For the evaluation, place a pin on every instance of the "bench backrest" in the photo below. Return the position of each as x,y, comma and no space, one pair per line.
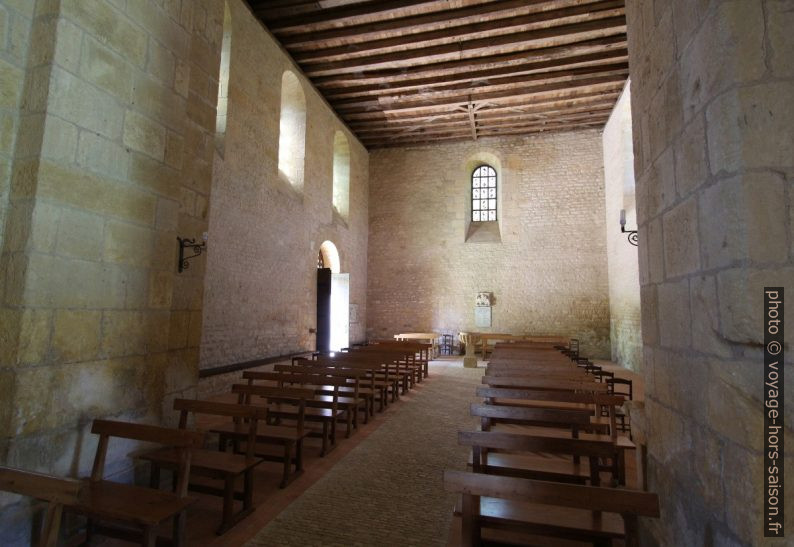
180,439
244,393
54,490
630,504
530,382
567,417
238,412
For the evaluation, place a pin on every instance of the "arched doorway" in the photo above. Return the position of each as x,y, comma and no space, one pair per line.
333,300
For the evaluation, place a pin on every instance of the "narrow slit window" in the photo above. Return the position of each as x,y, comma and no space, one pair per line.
483,194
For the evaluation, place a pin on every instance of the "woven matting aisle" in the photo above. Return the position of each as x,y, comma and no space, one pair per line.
389,489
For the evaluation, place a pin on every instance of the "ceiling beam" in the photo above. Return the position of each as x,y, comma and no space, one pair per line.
472,48
584,12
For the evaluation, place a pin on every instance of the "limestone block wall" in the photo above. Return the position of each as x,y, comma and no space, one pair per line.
265,235
712,84
548,273
112,159
624,277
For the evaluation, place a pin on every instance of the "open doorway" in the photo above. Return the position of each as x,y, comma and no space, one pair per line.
333,301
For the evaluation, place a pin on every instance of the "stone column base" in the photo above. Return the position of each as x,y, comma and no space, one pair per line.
470,362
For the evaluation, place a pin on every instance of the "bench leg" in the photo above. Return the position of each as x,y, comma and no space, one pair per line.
228,503
324,450
299,456
248,489
179,529
287,464
154,476
149,538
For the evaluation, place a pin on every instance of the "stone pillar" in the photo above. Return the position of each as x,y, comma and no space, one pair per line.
712,89
112,160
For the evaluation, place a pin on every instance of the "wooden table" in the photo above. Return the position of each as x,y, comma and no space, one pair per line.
431,337
486,336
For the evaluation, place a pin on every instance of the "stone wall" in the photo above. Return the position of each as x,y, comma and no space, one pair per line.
547,273
712,84
624,277
112,160
264,234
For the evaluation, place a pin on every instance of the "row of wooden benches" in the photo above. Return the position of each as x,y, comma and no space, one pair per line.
273,408
547,442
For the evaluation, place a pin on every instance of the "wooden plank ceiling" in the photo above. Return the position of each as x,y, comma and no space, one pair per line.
410,71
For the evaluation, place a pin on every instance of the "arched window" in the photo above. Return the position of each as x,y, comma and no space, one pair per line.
223,81
483,194
292,129
341,174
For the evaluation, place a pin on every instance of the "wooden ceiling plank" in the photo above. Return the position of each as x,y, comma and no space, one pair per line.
576,96
469,49
601,107
416,140
342,15
432,129
599,10
443,69
466,87
590,59
301,39
608,81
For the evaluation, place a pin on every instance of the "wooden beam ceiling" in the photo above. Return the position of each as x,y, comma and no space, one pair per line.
407,71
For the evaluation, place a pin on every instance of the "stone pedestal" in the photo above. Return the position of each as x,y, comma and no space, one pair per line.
469,340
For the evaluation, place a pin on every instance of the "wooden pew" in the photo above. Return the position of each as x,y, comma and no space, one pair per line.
527,456
401,360
353,397
322,409
382,381
144,509
215,464
290,438
54,490
541,383
494,507
384,368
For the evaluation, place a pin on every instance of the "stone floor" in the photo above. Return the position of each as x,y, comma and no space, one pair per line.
388,490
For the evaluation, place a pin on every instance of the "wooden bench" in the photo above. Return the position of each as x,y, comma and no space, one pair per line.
352,396
495,507
215,464
369,387
322,409
56,491
528,456
388,375
290,438
105,502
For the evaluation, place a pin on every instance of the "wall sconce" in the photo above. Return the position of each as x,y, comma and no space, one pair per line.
198,248
632,233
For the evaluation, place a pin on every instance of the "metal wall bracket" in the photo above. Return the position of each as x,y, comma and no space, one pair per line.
198,248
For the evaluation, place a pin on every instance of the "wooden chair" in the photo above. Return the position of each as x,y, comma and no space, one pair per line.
289,437
56,491
494,508
144,509
214,464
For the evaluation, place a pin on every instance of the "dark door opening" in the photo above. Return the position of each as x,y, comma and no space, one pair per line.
324,309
